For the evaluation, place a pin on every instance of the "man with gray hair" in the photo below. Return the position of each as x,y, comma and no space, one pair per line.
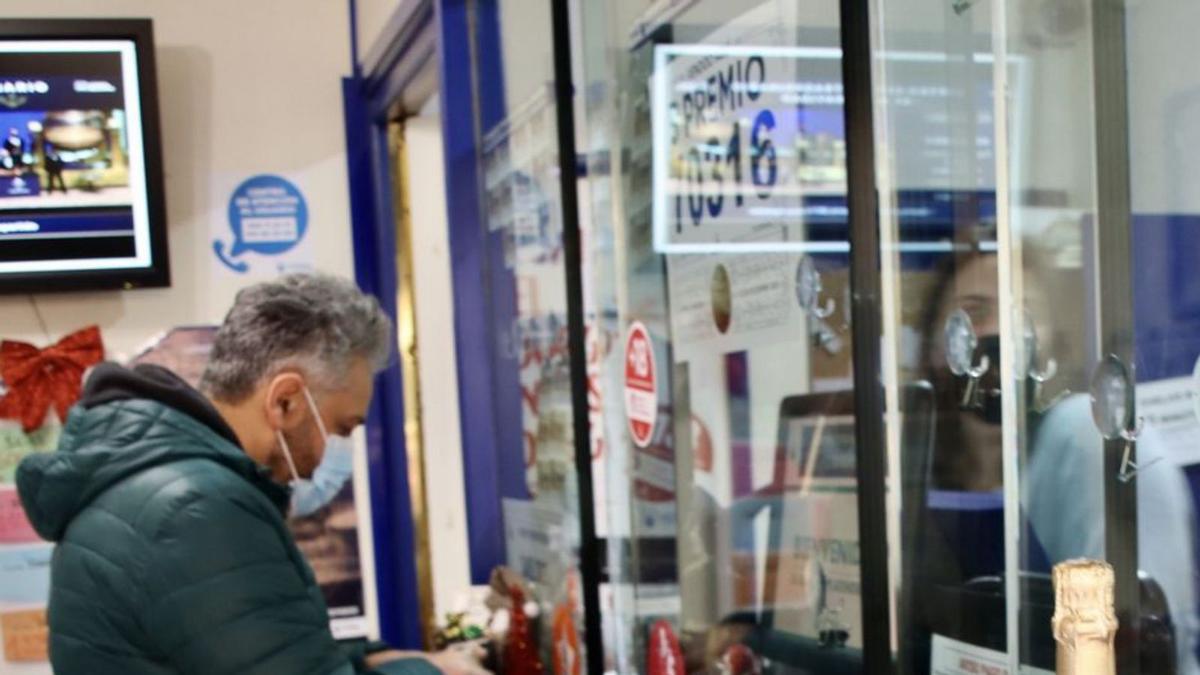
168,504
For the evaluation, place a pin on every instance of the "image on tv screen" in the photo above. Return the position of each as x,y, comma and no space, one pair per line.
72,167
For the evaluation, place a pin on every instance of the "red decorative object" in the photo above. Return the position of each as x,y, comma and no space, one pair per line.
520,652
40,378
663,656
567,659
740,660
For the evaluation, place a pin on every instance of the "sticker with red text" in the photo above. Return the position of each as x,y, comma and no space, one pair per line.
641,386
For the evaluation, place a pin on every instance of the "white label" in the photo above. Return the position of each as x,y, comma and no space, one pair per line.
349,628
262,230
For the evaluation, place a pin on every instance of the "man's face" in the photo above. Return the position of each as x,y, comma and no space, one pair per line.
342,409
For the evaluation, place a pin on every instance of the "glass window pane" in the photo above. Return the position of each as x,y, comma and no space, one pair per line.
719,258
942,317
523,268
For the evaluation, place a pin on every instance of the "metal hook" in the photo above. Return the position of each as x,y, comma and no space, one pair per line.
825,337
808,291
1131,435
826,311
980,368
1129,469
1039,378
972,395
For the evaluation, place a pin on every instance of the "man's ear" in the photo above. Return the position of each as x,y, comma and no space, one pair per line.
284,400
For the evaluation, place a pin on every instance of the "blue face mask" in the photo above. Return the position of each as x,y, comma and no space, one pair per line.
336,467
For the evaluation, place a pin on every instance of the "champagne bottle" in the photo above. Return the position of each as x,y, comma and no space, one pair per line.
1084,623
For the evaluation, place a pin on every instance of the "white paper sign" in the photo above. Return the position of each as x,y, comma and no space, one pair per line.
1168,407
951,657
534,537
741,135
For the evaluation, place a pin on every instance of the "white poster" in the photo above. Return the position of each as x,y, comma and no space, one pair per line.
535,539
745,128
1168,407
24,558
726,303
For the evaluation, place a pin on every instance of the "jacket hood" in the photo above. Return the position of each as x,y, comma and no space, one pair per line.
128,421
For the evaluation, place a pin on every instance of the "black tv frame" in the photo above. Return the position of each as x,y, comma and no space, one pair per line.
158,274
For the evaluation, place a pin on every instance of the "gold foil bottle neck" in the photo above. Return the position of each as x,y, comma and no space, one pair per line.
1085,623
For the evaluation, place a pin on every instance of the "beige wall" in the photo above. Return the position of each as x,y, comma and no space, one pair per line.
245,88
373,17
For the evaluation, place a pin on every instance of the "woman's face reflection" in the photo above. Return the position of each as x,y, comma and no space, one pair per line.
976,294
972,454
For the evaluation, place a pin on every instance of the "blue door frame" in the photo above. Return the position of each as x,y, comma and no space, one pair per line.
387,462
472,101
484,294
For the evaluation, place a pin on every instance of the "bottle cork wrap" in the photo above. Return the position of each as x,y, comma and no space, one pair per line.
1084,623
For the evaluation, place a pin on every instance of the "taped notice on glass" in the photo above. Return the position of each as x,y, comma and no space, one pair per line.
951,657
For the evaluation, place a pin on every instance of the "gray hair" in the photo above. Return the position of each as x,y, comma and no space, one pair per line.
315,323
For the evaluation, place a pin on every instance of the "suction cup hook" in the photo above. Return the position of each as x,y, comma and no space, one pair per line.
1028,360
808,295
961,343
1130,469
1112,412
1039,379
808,290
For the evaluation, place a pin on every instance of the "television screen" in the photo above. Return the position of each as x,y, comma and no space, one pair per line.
81,202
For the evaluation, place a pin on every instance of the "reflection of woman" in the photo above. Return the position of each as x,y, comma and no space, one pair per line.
1062,482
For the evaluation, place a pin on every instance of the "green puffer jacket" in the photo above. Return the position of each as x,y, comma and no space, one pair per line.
173,555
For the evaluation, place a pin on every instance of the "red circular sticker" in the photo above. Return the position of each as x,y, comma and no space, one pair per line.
641,389
740,660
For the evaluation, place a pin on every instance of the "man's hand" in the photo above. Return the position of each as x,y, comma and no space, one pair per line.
460,659
387,656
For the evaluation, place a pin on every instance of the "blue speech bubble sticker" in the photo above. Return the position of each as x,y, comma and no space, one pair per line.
268,215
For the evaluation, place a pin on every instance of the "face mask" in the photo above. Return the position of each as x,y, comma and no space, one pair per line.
305,487
991,412
336,467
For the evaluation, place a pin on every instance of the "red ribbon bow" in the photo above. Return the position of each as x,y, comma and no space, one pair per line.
40,378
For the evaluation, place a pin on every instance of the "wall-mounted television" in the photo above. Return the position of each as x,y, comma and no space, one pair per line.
81,187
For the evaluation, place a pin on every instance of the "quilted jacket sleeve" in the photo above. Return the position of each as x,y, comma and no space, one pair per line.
228,595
